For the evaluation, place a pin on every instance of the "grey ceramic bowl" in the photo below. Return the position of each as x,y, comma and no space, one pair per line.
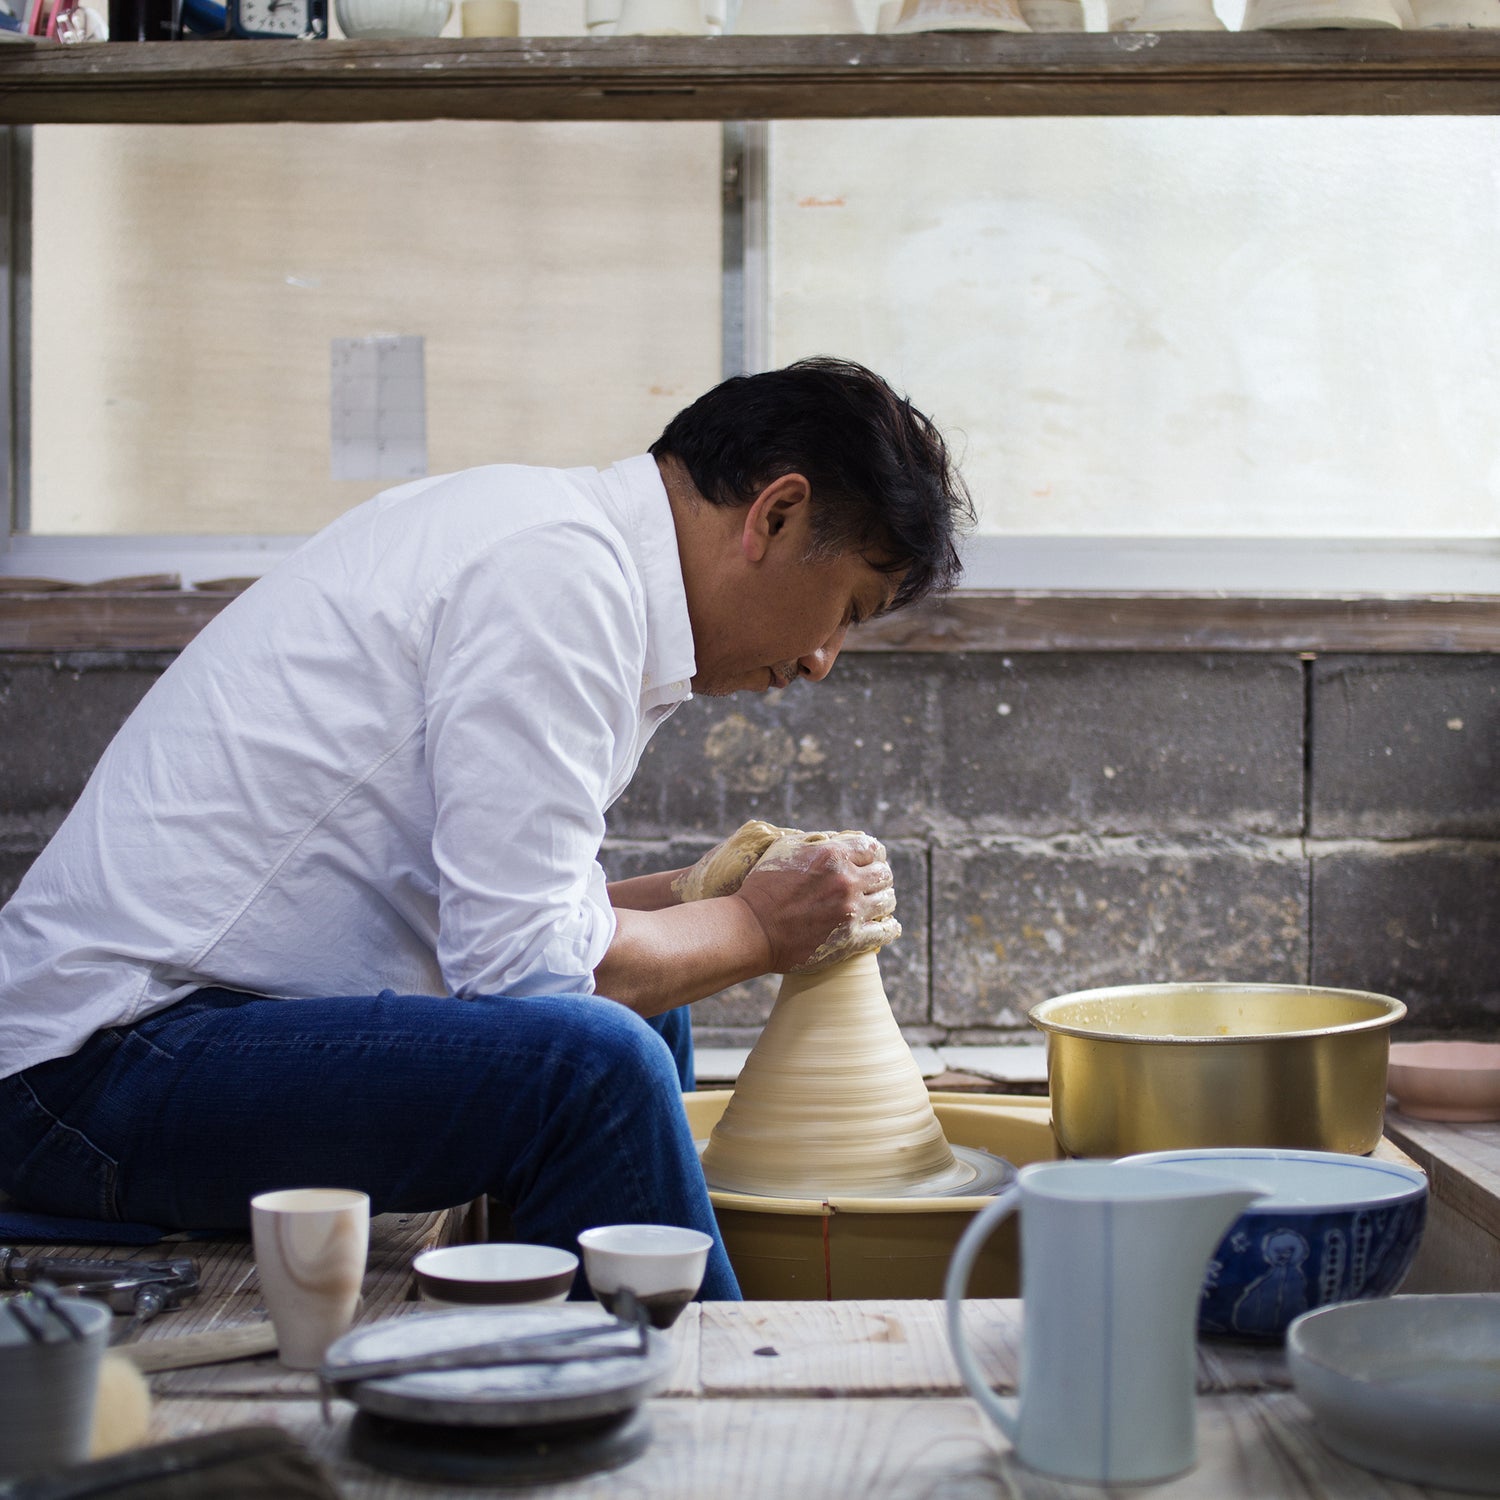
1409,1386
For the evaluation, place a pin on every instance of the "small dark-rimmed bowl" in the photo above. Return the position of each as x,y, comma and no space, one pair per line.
498,1275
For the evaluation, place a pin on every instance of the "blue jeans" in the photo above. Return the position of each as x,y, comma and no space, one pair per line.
565,1108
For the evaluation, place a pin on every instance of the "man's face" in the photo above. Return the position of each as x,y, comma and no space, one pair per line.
773,615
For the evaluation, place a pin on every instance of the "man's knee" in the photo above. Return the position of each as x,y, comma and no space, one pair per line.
613,1040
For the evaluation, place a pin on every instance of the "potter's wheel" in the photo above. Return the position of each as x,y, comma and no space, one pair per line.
576,1410
982,1175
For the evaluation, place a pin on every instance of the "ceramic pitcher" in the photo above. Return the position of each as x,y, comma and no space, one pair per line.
1112,1262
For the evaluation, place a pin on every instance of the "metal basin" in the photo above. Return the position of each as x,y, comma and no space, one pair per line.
1159,1067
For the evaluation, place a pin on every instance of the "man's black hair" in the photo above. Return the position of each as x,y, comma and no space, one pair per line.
882,481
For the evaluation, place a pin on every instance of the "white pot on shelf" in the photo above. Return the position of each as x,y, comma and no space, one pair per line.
661,18
1455,15
392,18
1314,15
1054,15
1168,15
803,18
960,15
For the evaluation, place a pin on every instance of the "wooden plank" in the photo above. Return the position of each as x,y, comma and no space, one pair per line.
975,620
901,1348
896,1448
1462,1163
737,78
77,621
98,620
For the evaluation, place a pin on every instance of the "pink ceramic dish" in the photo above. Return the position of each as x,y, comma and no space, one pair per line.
1446,1080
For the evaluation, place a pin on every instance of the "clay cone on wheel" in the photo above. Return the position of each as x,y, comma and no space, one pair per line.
830,1101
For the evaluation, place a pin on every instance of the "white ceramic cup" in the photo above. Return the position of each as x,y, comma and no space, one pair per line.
48,1388
310,1249
660,1264
490,18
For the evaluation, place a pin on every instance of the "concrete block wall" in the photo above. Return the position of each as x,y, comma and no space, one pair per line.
1056,821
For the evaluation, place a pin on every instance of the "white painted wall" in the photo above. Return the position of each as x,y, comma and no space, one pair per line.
1190,327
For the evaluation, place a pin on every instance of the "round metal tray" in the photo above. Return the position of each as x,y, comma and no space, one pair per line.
524,1395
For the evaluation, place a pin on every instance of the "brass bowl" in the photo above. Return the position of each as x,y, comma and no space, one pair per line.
1158,1067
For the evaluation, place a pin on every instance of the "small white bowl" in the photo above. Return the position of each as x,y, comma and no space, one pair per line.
495,1275
1408,1386
392,18
660,1264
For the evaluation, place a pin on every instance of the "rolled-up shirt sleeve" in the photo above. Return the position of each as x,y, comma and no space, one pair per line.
531,658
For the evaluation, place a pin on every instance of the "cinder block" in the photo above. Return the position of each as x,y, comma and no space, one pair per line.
13,865
55,721
741,1010
1015,921
1405,747
1420,923
1119,743
852,751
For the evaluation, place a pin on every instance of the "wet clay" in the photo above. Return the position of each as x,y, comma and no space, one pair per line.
831,1101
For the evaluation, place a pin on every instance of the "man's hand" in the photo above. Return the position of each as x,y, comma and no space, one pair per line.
722,870
821,898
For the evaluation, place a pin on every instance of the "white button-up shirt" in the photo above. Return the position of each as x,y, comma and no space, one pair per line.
385,766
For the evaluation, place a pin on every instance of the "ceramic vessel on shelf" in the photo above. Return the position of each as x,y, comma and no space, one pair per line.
1311,15
809,18
490,18
1168,15
1408,1387
1332,1228
494,1275
960,15
1446,1080
1454,15
1054,15
392,18
1112,1256
661,18
600,17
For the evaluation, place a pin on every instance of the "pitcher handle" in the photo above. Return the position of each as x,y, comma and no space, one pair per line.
1004,1413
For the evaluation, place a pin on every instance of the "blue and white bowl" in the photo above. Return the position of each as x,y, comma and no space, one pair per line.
1332,1228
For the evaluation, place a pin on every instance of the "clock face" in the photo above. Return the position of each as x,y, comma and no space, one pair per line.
288,18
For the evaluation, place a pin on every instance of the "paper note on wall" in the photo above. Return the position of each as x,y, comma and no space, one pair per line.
379,408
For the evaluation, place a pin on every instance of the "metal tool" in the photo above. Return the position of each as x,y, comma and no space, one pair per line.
139,1288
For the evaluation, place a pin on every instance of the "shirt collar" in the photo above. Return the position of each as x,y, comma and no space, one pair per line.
646,522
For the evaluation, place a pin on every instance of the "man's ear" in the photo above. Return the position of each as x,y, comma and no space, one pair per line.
783,502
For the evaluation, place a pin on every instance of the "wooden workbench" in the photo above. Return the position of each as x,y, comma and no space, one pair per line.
1461,1247
770,1399
858,1399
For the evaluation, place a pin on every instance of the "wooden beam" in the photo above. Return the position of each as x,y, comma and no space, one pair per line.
95,619
975,621
734,78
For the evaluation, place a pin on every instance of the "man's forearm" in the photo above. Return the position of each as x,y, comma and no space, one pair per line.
644,892
668,957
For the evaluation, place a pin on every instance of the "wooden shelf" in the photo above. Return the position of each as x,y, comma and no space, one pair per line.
151,614
738,78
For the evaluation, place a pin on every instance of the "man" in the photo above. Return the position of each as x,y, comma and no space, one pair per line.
329,910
